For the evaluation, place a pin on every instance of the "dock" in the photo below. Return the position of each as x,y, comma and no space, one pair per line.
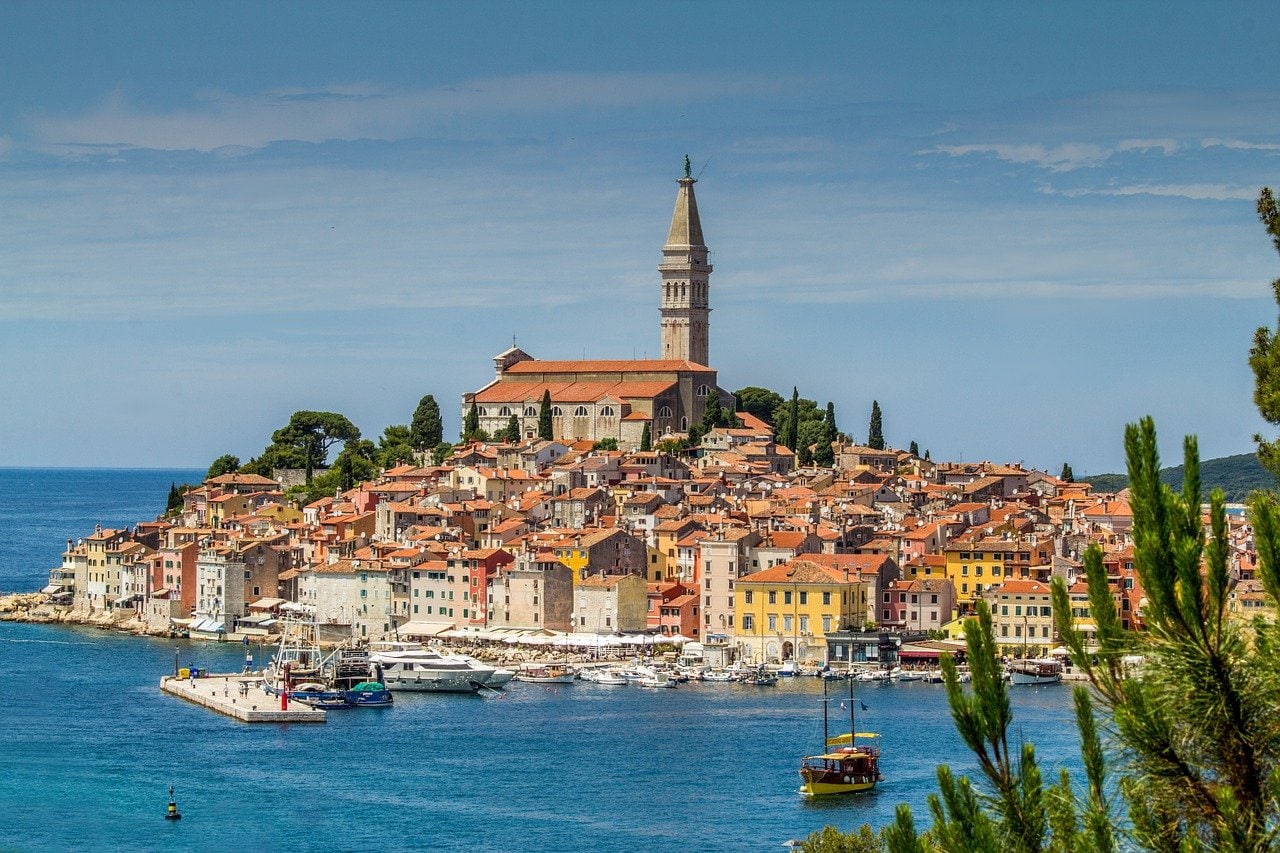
221,693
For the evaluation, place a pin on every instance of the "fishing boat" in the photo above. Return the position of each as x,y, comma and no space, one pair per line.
851,762
344,679
719,675
1035,671
657,679
547,674
761,677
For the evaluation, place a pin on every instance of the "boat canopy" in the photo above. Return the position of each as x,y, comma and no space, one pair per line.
848,738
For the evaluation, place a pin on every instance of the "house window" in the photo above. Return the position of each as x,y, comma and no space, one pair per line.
704,390
747,622
504,412
747,596
804,598
826,598
773,622
580,412
557,412
773,597
530,412
826,624
607,412
787,624
664,412
786,597
482,411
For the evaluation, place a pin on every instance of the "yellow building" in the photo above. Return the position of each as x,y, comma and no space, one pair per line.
785,612
974,566
1022,618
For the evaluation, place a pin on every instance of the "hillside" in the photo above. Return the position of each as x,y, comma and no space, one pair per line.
1237,476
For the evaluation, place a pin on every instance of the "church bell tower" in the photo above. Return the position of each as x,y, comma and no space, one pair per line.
686,304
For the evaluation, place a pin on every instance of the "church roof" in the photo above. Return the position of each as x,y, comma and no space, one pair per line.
686,227
506,391
607,366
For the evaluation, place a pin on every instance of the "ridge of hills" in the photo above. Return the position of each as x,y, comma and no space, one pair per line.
1237,476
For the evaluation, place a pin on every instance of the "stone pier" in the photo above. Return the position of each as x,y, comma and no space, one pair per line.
221,693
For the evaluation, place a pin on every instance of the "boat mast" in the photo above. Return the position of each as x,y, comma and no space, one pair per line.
825,702
852,728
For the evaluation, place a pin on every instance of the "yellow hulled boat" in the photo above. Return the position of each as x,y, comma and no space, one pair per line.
850,764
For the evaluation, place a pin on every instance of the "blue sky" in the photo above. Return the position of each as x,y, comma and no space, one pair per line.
1017,229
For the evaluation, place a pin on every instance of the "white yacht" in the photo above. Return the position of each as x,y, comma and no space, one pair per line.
414,667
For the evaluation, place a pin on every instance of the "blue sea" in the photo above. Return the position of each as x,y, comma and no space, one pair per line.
89,746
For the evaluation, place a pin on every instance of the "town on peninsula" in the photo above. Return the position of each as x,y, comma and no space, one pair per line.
593,507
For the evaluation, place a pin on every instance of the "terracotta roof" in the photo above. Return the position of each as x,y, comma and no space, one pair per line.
507,391
796,571
618,366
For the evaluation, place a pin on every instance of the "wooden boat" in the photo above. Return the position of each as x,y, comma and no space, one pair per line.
549,674
847,766
1037,671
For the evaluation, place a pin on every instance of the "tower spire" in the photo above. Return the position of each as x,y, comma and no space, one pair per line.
686,275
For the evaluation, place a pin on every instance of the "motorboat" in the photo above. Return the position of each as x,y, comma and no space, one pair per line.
910,675
789,669
413,667
547,674
761,677
657,679
1035,671
602,676
347,678
868,675
850,762
719,675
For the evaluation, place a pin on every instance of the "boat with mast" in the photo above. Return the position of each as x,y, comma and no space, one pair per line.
850,763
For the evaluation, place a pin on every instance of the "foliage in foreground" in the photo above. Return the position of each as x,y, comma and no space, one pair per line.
1193,736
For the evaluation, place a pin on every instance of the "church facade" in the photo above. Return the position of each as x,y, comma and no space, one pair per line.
595,400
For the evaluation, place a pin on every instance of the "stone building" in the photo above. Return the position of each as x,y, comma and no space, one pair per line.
595,400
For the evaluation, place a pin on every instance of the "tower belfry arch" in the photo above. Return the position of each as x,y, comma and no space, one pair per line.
686,280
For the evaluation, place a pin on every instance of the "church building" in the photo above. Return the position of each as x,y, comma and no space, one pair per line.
615,399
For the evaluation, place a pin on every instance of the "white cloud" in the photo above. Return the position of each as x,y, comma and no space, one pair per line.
1239,145
1168,147
1196,192
1059,158
223,120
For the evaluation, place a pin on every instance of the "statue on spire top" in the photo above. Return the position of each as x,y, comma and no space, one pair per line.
688,167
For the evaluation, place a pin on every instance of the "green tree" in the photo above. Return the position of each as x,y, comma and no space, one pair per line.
823,452
395,446
511,434
714,414
426,430
1264,355
646,438
441,452
831,840
1196,737
760,402
174,502
606,444
224,464
1067,474
304,442
544,417
875,431
914,449
471,423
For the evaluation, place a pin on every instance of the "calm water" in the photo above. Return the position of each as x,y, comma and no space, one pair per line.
90,745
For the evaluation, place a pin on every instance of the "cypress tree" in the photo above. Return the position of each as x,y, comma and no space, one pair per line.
426,430
792,436
914,450
875,433
471,425
1264,355
646,439
544,416
1067,474
512,434
175,499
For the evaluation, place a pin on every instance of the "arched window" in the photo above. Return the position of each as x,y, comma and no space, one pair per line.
704,390
504,412
664,412
530,412
556,412
580,412
482,411
684,424
607,412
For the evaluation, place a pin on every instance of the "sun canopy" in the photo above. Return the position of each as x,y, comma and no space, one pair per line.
848,738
